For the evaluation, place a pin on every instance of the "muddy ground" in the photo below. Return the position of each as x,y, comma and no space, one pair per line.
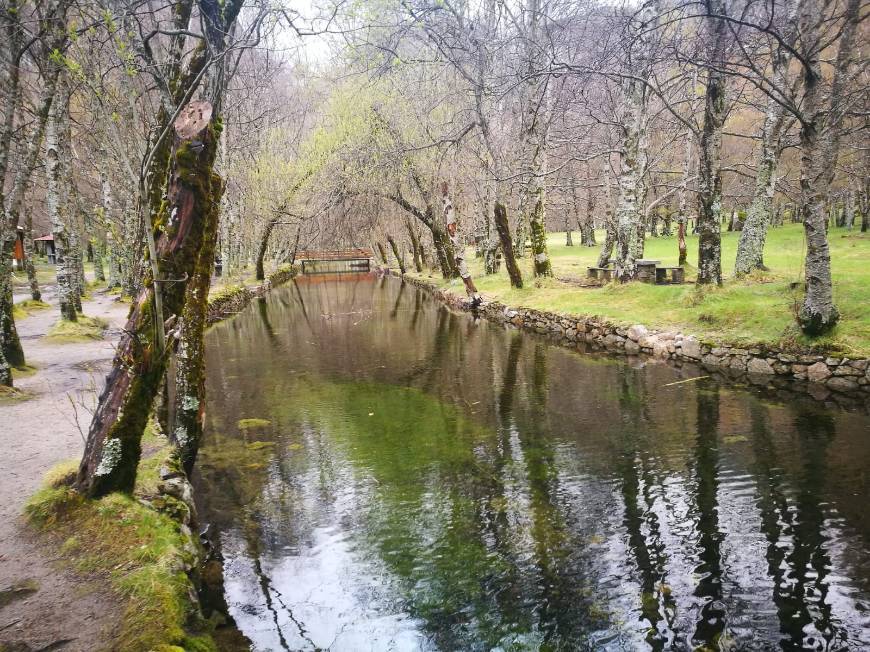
44,603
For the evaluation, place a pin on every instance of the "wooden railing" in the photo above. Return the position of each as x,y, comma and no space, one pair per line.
335,254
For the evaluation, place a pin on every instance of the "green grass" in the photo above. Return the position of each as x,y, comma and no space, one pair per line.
83,330
756,310
141,552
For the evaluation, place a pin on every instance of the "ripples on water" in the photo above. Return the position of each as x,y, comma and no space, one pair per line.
427,482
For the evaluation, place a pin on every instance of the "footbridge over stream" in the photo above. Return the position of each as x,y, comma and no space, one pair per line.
335,260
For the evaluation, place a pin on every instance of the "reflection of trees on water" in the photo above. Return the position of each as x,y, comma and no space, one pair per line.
640,519
492,534
712,621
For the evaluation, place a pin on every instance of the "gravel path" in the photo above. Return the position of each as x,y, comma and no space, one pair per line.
42,604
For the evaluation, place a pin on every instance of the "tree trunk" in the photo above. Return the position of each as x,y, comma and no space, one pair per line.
113,445
609,221
449,215
29,265
264,244
5,370
395,249
504,235
710,153
383,254
54,201
819,150
189,408
415,247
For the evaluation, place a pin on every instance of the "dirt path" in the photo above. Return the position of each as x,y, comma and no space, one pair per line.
43,606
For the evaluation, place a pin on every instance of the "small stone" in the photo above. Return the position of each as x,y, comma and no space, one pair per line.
818,372
799,368
759,366
632,347
636,332
832,362
846,370
861,365
784,357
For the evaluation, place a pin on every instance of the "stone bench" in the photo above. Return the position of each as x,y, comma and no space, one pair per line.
600,273
670,275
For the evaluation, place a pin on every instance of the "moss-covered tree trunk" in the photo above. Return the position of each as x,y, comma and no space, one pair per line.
113,445
415,247
609,221
710,153
507,247
264,245
190,356
819,139
29,266
383,254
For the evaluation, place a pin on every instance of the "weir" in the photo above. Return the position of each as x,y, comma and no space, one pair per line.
336,260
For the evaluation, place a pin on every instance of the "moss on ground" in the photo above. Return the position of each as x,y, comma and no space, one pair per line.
141,551
27,307
758,309
83,330
12,395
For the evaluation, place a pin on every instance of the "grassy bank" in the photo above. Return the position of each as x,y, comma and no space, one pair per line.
756,310
137,548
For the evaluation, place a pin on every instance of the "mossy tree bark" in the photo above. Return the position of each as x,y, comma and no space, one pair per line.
710,151
186,432
507,247
415,247
609,221
682,215
819,139
113,445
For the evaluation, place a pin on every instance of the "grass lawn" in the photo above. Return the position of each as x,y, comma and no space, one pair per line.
756,310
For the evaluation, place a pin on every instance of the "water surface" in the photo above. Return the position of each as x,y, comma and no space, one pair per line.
425,481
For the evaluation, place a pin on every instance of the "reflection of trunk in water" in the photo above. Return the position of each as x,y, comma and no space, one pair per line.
395,310
418,296
805,596
711,622
252,536
657,606
773,506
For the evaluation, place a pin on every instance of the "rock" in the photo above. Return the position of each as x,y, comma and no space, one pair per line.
799,368
759,366
647,341
636,332
832,362
738,362
818,372
632,347
860,365
711,360
660,349
846,370
783,357
691,348
842,384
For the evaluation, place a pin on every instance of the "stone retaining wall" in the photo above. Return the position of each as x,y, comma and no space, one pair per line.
820,375
233,299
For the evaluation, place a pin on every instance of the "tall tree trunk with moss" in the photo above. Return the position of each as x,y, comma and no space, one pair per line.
113,447
710,150
819,137
633,120
415,247
29,265
189,392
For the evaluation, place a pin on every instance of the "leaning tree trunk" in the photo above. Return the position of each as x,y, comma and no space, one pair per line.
507,247
264,244
396,253
113,445
415,247
710,155
383,253
449,215
750,248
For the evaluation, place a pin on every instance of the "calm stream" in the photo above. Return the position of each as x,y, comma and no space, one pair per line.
417,480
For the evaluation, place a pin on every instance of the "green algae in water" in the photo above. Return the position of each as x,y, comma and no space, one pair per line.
250,424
